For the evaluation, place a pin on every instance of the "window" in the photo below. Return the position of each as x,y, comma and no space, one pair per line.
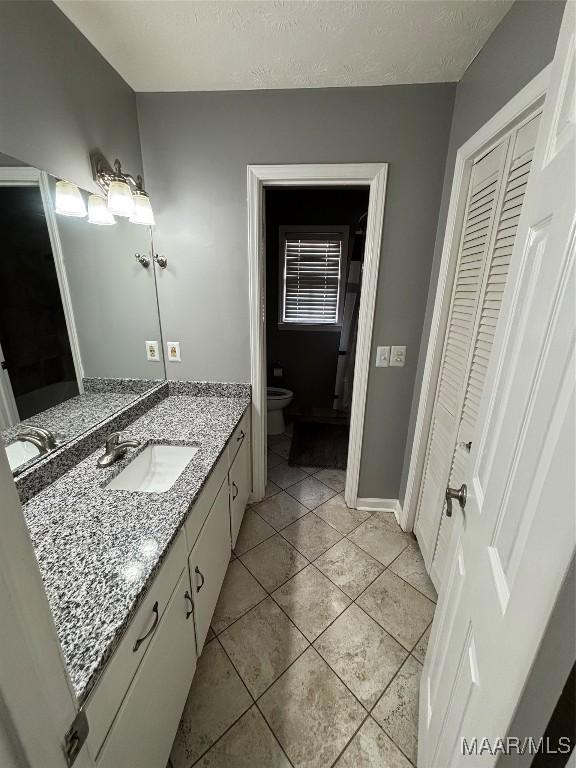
312,267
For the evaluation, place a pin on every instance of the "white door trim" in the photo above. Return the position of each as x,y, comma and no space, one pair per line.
524,101
374,176
32,177
62,276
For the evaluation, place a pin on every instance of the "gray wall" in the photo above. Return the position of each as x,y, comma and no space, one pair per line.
196,148
520,47
59,98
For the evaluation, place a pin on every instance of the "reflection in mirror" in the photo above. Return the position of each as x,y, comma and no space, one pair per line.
79,328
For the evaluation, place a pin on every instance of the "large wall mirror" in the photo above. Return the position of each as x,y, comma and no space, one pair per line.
79,327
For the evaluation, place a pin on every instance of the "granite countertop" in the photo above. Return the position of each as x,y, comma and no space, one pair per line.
100,399
72,416
98,550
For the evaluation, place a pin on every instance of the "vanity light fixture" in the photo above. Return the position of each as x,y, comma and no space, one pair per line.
125,194
69,200
98,212
143,213
120,201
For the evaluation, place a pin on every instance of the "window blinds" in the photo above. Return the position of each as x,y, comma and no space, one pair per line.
312,276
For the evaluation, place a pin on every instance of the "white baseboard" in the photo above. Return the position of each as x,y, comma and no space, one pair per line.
380,505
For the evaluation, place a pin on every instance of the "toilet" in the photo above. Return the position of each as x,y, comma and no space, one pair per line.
278,399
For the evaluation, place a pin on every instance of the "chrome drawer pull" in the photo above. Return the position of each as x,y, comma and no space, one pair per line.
140,640
241,436
191,611
235,490
199,572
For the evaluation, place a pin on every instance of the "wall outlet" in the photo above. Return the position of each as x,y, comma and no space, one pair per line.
152,351
398,356
174,351
382,357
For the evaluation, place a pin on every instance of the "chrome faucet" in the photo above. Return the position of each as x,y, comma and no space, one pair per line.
42,438
115,449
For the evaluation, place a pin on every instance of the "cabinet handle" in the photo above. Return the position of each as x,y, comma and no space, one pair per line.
199,572
234,490
140,640
241,436
191,611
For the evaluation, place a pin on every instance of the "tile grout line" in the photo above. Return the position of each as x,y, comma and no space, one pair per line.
343,535
353,602
254,703
380,699
388,568
350,740
310,644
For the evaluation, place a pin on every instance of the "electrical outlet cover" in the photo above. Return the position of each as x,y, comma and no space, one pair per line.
173,351
397,356
382,357
152,351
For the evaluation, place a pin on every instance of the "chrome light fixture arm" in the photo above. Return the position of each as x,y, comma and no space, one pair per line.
104,174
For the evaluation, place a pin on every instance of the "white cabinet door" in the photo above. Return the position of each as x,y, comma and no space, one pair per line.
208,563
515,539
240,477
144,729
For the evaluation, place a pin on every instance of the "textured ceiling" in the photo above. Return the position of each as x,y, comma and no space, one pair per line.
191,45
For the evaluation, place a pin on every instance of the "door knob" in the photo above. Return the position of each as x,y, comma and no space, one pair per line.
455,493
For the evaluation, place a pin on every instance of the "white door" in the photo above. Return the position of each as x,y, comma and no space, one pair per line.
495,197
519,154
514,540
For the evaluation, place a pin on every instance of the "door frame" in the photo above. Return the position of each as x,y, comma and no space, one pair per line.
31,177
374,176
521,104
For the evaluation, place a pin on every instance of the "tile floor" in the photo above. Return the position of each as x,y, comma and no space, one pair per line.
318,638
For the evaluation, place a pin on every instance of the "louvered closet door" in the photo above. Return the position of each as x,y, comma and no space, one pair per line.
517,170
478,224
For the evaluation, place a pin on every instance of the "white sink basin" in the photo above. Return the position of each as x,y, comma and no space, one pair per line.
19,452
155,469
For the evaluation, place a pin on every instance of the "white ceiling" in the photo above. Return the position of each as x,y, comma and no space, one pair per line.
213,45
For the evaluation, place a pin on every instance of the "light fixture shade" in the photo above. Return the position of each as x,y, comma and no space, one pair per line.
120,200
98,212
143,213
69,200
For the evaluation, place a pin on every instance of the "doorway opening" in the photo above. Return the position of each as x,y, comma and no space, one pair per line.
315,241
37,364
367,176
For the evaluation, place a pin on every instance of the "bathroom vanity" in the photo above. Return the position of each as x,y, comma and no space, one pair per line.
132,547
133,575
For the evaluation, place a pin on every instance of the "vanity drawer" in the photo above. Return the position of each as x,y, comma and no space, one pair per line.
240,435
104,701
199,510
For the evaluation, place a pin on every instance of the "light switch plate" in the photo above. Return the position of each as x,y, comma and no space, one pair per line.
174,351
397,356
382,357
152,351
